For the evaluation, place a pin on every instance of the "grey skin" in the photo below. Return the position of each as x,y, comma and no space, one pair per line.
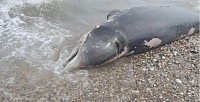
132,31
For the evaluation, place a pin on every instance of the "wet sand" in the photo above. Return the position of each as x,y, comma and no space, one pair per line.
169,73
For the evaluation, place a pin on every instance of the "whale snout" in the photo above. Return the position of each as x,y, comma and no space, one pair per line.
89,55
75,61
99,46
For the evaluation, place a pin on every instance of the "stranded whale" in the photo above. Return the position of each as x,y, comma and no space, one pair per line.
132,31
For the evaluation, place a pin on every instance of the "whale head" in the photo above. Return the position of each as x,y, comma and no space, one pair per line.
99,46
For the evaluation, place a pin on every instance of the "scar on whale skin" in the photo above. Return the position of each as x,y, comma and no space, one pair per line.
153,42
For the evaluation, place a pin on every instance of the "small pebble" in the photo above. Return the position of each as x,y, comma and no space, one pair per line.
192,65
175,53
163,57
194,51
135,91
151,68
179,81
177,62
155,60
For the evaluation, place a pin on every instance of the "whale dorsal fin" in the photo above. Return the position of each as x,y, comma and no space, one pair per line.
113,13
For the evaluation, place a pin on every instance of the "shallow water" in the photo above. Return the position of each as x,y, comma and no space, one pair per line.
36,36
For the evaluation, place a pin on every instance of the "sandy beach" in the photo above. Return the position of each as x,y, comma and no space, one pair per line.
169,73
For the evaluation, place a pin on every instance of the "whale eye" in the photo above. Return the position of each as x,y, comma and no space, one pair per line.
118,47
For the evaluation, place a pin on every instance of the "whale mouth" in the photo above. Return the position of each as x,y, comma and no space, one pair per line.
90,55
72,56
